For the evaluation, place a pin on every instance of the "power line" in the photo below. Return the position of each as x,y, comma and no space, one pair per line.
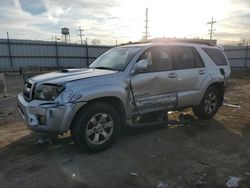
211,30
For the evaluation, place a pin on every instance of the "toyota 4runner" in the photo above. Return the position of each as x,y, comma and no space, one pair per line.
127,81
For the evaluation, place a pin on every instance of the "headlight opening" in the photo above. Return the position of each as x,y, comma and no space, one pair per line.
48,91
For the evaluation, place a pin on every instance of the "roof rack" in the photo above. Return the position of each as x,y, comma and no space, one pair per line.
166,40
197,41
130,42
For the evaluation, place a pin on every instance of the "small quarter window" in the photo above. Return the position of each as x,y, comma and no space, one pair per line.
216,55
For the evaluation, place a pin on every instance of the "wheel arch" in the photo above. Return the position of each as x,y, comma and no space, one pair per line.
114,101
220,87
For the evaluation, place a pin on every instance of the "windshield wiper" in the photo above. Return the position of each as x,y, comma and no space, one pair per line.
105,68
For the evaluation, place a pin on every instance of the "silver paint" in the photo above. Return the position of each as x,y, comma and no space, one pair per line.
138,92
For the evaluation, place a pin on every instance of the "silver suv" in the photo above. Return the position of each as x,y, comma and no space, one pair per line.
136,80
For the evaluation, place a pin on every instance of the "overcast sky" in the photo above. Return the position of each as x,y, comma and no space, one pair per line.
106,21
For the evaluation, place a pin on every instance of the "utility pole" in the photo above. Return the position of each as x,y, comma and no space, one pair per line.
211,30
87,51
10,55
81,33
146,27
57,56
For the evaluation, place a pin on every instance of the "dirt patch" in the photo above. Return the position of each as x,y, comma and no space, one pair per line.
202,155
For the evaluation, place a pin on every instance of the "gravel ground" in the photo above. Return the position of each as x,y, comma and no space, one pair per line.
205,154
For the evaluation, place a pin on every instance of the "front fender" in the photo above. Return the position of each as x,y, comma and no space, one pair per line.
81,97
100,91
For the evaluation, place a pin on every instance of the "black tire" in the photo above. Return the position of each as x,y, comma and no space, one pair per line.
209,104
99,117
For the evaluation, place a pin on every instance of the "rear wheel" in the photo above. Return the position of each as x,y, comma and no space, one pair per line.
96,127
209,104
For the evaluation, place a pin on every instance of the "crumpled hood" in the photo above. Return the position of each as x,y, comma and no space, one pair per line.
67,75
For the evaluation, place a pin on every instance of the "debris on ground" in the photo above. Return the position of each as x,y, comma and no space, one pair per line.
153,156
247,173
133,174
44,141
162,185
174,126
186,117
232,182
231,105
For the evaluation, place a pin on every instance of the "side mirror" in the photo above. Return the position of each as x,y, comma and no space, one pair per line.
140,66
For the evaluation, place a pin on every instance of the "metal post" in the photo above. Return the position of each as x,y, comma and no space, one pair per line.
87,52
246,58
2,78
10,56
57,59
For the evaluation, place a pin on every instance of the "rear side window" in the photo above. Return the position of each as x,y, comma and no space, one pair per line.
183,57
216,55
159,59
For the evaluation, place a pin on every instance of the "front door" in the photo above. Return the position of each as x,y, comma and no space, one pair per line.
156,88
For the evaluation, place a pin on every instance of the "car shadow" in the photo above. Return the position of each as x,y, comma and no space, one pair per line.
153,153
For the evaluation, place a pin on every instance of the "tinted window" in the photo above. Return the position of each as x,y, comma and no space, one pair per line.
198,61
159,59
183,57
216,55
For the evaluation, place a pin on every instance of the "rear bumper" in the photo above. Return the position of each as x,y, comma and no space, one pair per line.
47,117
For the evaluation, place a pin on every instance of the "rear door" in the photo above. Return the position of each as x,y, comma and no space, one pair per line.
155,89
191,74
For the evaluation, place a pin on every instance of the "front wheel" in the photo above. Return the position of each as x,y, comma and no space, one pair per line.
96,127
209,104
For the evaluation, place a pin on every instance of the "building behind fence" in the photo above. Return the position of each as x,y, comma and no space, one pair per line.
15,54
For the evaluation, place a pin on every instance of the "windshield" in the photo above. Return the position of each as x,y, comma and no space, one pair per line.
115,59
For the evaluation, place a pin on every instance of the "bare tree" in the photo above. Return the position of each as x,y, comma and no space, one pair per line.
96,42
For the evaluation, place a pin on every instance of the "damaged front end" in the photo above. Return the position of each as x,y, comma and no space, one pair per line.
48,107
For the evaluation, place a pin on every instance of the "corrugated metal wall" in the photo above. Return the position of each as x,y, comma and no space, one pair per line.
15,54
238,56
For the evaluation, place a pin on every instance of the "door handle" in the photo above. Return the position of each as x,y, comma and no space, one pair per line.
172,75
202,71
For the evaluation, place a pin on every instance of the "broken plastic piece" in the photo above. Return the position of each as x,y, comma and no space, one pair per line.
162,185
232,182
133,174
231,105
